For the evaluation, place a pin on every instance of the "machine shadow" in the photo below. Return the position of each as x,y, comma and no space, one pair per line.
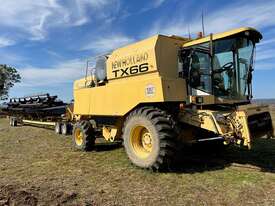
102,147
198,159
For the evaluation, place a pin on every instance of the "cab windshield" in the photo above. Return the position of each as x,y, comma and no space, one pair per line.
227,74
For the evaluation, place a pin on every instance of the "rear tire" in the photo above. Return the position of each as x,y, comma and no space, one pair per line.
83,136
149,138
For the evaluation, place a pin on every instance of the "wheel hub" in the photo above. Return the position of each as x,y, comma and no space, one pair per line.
147,141
141,141
78,137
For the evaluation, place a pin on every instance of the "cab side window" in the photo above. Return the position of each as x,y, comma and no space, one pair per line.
200,71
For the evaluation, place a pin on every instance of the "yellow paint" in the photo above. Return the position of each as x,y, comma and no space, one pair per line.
109,133
157,81
142,142
238,127
78,135
119,95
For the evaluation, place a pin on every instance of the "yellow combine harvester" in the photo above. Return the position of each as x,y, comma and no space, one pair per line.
166,90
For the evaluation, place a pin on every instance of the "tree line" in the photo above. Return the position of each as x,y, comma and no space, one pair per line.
9,76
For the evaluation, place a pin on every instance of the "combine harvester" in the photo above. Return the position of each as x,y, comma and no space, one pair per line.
167,90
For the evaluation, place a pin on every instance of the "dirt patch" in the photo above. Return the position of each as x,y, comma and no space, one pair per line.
9,195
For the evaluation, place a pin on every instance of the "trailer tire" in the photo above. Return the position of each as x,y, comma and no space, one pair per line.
83,136
65,127
57,128
13,122
149,138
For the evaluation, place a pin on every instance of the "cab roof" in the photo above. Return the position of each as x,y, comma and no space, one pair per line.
252,32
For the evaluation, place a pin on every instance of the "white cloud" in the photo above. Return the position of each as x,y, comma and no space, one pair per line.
107,43
35,18
267,42
58,74
4,41
11,58
265,54
152,5
264,66
158,3
258,14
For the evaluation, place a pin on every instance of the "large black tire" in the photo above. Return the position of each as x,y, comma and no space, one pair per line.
83,136
57,128
149,138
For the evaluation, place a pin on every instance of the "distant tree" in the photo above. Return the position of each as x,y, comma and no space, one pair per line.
8,77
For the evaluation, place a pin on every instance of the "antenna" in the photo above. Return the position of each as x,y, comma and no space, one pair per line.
202,23
189,34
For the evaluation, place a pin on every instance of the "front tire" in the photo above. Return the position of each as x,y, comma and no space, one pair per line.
149,138
83,136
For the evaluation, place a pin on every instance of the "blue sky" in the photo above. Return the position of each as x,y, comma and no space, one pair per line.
48,41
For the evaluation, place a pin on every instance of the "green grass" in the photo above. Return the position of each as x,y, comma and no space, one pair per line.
48,168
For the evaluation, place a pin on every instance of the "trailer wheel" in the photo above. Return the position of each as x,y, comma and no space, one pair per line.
57,128
83,137
13,122
65,128
149,138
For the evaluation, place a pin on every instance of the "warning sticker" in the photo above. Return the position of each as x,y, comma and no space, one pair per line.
150,90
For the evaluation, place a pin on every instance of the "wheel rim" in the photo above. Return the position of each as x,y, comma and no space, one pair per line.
78,136
141,141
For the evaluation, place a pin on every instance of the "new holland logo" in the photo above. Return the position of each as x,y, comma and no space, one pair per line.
131,70
130,65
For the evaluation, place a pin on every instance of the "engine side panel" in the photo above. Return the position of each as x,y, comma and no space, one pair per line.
144,72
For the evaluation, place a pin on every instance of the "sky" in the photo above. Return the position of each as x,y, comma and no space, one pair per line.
48,41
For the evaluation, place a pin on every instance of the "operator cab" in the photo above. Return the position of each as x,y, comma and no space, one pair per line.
221,66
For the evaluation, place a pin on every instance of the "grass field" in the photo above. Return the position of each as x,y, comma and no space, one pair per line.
38,167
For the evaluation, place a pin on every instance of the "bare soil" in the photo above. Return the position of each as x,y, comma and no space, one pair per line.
38,167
